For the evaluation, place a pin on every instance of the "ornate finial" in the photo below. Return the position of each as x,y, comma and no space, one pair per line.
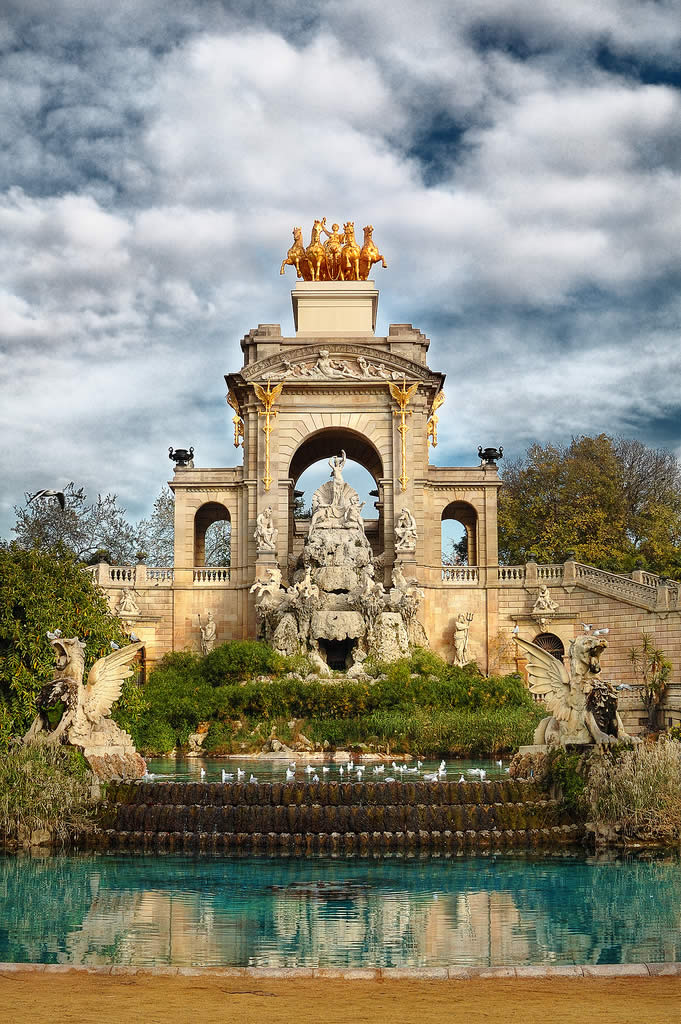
490,456
338,258
181,456
431,433
268,398
403,396
237,420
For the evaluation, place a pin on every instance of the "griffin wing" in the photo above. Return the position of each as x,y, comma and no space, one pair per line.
105,680
548,679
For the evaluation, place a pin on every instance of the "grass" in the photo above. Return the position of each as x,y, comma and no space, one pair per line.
44,788
638,791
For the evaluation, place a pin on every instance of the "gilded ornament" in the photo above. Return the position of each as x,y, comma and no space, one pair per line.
403,396
339,258
237,419
431,433
268,398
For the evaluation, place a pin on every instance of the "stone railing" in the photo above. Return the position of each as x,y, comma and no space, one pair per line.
552,573
460,574
211,574
122,573
159,575
619,586
512,573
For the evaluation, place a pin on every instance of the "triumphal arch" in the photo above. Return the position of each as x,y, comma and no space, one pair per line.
335,390
349,580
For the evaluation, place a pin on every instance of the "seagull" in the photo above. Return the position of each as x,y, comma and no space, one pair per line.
340,770
601,632
500,764
290,776
623,686
430,777
389,779
227,776
395,767
419,765
587,627
309,769
252,779
378,769
240,773
351,765
461,778
114,646
442,770
325,769
315,777
47,493
135,639
203,773
515,630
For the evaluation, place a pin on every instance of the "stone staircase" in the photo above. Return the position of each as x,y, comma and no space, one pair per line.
331,817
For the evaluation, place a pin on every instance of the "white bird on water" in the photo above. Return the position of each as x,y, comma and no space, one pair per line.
252,779
461,778
315,777
500,764
290,776
442,770
431,777
203,773
309,769
240,773
292,765
325,769
227,776
340,771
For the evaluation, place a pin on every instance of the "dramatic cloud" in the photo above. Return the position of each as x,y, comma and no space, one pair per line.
519,163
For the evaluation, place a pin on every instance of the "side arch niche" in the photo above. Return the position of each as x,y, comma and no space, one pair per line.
550,643
207,515
320,446
466,515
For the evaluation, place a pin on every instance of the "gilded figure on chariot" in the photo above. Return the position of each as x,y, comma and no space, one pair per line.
339,258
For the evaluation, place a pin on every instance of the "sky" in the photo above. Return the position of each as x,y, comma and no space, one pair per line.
519,163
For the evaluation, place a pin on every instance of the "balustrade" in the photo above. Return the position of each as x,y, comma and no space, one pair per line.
621,585
160,574
512,573
550,572
211,574
460,574
122,573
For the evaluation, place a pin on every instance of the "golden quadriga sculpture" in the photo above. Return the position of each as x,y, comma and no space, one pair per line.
84,721
338,258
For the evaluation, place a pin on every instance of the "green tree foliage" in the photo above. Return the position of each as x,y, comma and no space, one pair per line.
652,670
83,527
615,503
39,592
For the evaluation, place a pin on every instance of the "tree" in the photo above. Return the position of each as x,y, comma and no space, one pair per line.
615,503
156,534
82,527
652,670
40,591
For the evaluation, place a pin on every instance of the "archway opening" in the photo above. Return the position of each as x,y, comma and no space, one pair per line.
552,644
212,535
338,653
459,534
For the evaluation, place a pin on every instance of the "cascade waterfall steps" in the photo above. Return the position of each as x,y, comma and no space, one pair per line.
303,818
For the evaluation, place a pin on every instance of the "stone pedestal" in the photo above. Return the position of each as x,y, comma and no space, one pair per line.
334,308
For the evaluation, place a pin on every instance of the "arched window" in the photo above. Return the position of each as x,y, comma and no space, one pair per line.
458,534
212,535
551,643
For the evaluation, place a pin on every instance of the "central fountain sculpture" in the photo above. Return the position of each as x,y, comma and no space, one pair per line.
336,611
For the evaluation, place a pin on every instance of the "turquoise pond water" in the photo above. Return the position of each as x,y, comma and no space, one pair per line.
422,912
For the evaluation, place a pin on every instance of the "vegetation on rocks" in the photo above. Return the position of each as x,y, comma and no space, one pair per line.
420,705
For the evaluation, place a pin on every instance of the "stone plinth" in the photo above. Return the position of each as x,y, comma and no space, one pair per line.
334,308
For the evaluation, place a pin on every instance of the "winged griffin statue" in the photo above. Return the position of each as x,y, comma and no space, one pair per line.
84,708
583,707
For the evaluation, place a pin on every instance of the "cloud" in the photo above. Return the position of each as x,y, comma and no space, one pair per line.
523,190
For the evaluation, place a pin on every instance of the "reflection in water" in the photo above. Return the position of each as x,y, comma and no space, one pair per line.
102,909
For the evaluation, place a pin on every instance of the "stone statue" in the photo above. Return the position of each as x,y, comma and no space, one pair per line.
544,603
270,585
265,532
583,708
405,531
127,606
337,464
208,634
461,629
84,722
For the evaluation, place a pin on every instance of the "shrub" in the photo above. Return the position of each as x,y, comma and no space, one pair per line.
638,790
240,660
44,788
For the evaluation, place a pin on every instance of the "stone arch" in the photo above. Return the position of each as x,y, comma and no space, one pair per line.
550,643
207,514
464,513
321,444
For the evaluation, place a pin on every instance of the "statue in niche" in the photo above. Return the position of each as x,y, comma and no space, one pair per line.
208,634
461,629
127,606
405,531
265,532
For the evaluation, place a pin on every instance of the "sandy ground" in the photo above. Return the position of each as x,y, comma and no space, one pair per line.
77,998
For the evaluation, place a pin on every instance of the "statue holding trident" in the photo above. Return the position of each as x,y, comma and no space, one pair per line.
337,463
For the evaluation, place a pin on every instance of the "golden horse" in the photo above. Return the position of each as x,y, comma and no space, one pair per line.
369,254
350,254
314,253
296,254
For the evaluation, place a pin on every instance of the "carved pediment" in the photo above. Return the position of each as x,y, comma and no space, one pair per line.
339,362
